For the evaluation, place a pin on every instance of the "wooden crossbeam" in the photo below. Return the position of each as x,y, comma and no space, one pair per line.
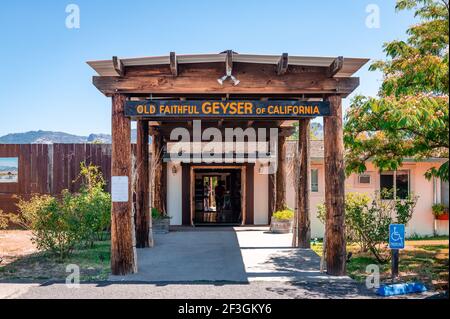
283,64
258,83
173,64
118,66
335,67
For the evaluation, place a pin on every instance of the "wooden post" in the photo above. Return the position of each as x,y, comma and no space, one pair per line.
158,182
143,221
334,189
280,199
272,192
123,254
304,224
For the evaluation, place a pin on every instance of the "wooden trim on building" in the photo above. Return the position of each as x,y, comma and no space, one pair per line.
250,194
271,194
187,194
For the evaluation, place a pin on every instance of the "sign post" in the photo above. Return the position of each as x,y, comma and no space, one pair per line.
396,242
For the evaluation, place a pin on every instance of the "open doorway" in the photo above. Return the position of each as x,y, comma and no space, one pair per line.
218,196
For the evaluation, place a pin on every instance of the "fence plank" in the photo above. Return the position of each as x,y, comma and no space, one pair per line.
50,169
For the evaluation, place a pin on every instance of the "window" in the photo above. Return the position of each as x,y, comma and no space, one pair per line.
399,180
9,169
364,179
315,180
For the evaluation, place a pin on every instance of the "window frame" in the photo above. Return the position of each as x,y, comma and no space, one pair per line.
394,175
314,190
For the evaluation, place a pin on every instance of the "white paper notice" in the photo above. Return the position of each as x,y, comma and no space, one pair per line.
119,188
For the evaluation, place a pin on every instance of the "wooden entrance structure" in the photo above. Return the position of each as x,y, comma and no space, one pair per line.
207,76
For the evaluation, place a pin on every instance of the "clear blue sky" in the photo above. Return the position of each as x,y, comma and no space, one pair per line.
46,84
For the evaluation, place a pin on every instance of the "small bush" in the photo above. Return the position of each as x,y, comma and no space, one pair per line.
55,227
367,220
156,214
439,210
92,204
4,220
60,224
286,214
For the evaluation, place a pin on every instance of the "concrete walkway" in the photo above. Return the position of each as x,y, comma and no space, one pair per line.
239,255
213,263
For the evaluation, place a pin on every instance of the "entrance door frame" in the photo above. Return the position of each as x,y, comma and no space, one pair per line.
242,168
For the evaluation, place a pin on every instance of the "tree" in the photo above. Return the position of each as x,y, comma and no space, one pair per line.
410,116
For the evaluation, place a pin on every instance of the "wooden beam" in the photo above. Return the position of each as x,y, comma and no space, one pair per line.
249,193
206,83
283,64
142,217
303,185
335,67
334,189
272,194
158,183
173,64
118,66
280,199
123,258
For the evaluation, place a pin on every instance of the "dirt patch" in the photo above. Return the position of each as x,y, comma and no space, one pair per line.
15,244
21,260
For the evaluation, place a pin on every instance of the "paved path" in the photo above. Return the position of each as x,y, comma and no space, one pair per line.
258,290
238,255
243,263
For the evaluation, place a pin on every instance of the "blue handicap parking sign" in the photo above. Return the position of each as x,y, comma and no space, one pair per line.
396,236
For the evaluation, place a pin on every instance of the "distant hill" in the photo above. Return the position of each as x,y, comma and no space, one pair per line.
50,137
8,169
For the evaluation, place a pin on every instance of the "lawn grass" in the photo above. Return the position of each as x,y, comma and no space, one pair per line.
427,264
437,237
94,265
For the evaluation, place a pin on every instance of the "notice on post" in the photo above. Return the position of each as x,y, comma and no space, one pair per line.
119,189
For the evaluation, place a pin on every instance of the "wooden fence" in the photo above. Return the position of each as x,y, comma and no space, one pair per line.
50,168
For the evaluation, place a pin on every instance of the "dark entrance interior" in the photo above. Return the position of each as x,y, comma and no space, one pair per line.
217,197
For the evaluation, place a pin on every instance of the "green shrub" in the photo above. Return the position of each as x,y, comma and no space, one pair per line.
92,204
367,220
286,214
60,224
156,214
4,220
439,210
55,227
